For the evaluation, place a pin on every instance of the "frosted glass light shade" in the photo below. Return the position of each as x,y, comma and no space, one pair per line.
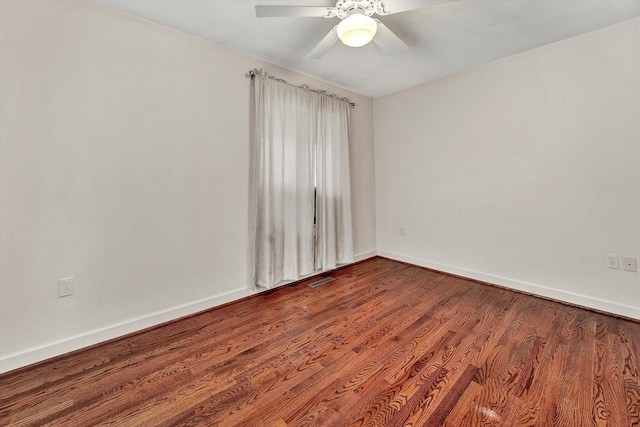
357,30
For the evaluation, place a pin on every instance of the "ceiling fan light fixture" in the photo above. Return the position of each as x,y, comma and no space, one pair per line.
357,30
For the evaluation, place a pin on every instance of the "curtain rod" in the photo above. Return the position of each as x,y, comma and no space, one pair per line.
256,71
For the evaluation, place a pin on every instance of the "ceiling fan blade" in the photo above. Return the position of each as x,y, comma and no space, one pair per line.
292,11
397,6
325,44
387,40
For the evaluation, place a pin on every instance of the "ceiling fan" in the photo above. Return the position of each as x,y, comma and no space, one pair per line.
356,27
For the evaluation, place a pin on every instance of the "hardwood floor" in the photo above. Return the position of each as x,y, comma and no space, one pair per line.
385,344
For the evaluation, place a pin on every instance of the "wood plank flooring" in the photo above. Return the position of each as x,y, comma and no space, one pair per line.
385,344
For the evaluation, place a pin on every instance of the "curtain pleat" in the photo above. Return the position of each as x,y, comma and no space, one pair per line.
334,243
300,146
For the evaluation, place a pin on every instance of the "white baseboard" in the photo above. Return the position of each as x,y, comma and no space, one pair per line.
46,351
364,255
531,288
56,348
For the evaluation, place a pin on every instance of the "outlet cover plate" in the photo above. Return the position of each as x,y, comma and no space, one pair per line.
65,287
629,263
612,261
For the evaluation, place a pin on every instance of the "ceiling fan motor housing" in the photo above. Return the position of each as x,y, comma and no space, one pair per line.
344,8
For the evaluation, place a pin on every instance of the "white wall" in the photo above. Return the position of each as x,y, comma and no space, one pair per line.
124,155
523,172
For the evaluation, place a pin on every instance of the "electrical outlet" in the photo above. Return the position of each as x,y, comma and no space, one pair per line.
612,261
629,264
65,287
402,231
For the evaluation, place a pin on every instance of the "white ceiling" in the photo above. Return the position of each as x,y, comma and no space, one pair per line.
443,38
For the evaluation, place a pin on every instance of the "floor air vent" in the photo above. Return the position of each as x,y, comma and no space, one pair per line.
321,282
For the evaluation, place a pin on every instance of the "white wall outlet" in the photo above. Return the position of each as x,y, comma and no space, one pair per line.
65,287
629,263
402,231
612,261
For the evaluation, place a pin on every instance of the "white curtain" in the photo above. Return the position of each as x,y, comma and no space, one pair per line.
334,241
300,145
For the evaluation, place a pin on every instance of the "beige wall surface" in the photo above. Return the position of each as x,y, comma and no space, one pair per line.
523,172
124,162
